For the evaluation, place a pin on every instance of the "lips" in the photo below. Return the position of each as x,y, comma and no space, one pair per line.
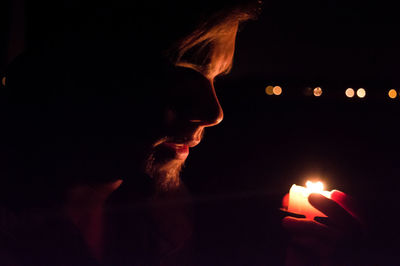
181,150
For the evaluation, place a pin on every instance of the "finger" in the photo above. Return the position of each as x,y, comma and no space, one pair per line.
298,226
345,201
336,213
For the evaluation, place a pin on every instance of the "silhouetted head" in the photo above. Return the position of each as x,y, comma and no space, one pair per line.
118,89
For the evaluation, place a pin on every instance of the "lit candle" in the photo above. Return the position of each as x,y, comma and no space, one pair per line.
298,199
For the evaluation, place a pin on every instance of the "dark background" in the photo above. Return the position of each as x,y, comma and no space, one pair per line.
266,143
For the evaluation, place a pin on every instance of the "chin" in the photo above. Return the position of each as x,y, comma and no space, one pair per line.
165,171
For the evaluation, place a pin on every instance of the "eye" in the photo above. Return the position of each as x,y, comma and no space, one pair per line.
219,77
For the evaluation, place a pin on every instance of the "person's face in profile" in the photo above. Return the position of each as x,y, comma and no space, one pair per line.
177,109
149,123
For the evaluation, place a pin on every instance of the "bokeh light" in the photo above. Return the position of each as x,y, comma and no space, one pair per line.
349,93
361,92
392,93
317,91
277,90
269,90
3,81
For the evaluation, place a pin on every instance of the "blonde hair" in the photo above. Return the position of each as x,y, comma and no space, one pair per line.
210,47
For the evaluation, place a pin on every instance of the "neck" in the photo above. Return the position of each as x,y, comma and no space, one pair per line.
85,208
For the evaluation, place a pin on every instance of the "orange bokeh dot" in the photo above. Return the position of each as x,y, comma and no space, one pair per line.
277,90
350,93
392,93
317,91
361,92
269,90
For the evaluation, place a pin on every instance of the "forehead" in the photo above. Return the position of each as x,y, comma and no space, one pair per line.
213,53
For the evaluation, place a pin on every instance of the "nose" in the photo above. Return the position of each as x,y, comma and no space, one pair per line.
194,99
206,110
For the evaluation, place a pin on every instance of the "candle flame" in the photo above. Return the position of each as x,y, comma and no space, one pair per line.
316,187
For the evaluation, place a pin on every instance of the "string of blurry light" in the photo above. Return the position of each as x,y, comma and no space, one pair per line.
275,90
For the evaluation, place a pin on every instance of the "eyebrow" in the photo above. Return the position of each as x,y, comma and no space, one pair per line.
225,71
206,70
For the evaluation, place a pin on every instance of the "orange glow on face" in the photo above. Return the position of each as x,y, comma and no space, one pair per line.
277,90
350,93
3,81
269,90
392,93
317,91
361,93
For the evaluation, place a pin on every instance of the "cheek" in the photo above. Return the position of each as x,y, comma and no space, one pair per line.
140,117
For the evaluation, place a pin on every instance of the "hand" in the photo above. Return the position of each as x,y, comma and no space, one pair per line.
325,240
